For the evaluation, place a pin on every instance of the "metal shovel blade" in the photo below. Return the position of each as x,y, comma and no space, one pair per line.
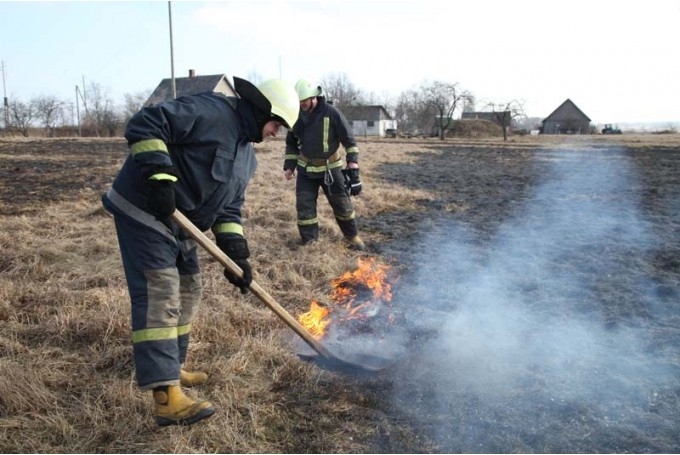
351,363
324,357
344,360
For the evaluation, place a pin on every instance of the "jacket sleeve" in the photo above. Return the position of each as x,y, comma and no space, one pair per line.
346,138
229,220
150,130
292,151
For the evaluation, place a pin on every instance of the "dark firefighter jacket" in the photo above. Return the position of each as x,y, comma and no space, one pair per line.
207,139
313,143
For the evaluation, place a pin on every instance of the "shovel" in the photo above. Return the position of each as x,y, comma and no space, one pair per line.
354,362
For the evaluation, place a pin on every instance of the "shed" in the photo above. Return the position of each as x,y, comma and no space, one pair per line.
190,86
566,119
369,120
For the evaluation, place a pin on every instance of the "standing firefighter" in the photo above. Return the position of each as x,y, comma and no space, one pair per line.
312,149
194,154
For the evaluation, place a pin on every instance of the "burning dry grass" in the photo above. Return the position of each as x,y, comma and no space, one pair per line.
66,379
67,382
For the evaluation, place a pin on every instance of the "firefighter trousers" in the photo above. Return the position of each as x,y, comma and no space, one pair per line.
163,277
306,194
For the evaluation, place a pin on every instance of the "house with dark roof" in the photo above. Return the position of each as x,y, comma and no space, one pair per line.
369,120
190,86
566,119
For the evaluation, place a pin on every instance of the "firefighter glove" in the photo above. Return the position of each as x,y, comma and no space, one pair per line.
160,191
352,181
236,247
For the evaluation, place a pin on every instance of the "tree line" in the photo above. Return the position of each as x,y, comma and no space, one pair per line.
429,110
93,114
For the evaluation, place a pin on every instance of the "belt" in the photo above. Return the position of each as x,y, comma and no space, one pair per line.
322,161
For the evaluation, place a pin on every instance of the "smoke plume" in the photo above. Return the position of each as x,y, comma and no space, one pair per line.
540,336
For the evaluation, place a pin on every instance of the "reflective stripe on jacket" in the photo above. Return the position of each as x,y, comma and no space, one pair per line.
313,142
202,137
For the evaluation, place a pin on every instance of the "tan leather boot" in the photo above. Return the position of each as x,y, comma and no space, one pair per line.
175,408
192,378
357,243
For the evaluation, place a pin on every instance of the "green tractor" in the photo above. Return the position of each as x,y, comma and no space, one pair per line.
609,129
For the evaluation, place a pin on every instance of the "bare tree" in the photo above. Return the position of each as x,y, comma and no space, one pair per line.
411,113
341,92
385,99
133,103
47,110
101,114
527,123
443,98
469,103
66,122
20,117
505,113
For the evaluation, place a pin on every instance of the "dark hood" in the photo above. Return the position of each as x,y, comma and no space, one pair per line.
249,121
256,107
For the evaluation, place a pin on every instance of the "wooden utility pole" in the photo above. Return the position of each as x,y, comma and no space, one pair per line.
80,132
5,104
172,57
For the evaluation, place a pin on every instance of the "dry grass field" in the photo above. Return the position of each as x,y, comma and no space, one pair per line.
535,305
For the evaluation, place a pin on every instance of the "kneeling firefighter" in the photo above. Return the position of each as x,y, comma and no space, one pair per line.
193,154
312,152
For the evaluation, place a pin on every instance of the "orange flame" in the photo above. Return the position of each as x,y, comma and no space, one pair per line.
315,320
347,289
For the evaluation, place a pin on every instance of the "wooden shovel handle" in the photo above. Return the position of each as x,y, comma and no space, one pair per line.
255,288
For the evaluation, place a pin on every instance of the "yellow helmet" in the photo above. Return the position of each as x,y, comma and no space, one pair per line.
305,89
283,98
274,96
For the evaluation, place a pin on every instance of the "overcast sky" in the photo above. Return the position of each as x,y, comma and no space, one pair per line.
617,60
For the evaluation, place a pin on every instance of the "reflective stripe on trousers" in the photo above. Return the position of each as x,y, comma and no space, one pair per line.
306,195
163,278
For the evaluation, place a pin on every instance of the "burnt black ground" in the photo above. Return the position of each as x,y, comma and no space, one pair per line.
610,282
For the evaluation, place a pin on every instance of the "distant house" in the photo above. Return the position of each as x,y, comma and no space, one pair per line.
489,116
369,120
190,86
566,119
